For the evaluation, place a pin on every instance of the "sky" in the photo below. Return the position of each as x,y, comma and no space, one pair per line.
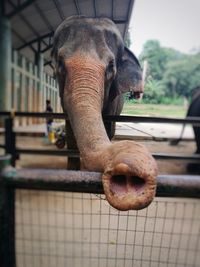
175,23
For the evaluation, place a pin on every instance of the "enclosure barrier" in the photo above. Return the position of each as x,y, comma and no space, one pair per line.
10,136
15,236
41,226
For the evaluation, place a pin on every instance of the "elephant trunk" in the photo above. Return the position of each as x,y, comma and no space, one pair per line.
129,171
83,100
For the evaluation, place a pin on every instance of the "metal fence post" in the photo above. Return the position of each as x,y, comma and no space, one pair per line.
7,219
10,140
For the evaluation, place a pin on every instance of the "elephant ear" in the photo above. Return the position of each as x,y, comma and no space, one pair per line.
129,75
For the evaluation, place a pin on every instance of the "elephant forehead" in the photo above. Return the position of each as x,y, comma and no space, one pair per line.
81,21
85,32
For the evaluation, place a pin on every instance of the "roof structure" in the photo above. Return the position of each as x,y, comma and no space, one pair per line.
33,22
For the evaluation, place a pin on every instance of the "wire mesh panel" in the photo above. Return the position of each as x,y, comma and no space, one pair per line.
77,229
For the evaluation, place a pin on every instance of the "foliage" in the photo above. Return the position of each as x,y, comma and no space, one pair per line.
157,58
182,76
170,73
153,91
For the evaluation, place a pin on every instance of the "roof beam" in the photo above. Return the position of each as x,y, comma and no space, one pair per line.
24,19
50,34
20,8
119,21
77,7
28,24
59,9
112,9
95,8
22,40
43,17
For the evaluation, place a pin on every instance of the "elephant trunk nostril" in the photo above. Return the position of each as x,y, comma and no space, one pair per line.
136,183
121,184
118,184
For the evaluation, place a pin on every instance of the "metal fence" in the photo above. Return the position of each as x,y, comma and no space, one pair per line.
61,218
10,134
77,229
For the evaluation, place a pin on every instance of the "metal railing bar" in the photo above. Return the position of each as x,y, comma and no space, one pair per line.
64,152
90,182
193,157
121,118
75,154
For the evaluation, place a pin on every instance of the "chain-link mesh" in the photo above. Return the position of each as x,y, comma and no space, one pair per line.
76,229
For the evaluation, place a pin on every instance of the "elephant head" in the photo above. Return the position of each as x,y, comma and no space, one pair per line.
94,69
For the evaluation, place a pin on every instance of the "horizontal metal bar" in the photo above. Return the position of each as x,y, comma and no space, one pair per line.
121,118
34,114
64,152
90,182
188,157
124,118
75,154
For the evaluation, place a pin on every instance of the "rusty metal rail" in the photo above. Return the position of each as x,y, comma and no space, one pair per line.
90,182
69,181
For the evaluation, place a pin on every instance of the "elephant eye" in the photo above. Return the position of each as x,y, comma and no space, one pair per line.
111,65
60,67
110,71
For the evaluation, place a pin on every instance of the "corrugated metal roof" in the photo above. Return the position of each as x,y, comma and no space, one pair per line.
33,22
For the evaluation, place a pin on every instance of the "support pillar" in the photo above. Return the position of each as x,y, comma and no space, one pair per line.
41,77
5,64
39,60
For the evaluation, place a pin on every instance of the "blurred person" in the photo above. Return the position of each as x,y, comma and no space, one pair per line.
49,122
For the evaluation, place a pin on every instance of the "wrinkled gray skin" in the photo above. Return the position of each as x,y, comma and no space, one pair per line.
102,38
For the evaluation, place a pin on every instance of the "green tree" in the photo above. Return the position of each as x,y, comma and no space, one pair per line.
182,76
157,58
153,91
177,73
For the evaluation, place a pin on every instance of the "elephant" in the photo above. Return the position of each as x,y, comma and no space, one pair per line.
94,69
193,111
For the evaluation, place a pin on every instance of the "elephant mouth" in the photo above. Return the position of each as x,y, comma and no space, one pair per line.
137,91
137,95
